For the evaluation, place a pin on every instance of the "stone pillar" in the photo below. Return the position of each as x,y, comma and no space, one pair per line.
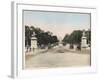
33,44
75,47
84,41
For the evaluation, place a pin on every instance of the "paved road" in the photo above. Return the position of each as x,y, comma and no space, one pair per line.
61,59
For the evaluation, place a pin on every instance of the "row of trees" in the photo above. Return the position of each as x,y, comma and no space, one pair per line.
47,38
43,38
75,37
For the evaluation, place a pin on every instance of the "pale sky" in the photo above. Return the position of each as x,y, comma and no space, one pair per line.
59,23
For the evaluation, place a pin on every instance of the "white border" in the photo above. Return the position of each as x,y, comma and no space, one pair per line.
17,34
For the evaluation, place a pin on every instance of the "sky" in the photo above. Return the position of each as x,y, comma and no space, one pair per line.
59,23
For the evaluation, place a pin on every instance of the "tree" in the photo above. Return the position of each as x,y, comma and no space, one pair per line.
66,39
88,35
73,38
27,36
43,38
76,37
32,29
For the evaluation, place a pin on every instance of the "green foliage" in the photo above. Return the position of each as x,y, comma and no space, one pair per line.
76,36
27,36
88,35
66,39
43,38
73,38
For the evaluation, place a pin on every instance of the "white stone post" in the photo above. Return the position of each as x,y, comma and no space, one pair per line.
84,41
